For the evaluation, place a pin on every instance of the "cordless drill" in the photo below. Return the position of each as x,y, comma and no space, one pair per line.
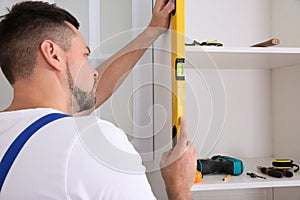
220,165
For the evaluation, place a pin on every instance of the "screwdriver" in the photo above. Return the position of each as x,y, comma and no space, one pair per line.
252,175
271,172
285,172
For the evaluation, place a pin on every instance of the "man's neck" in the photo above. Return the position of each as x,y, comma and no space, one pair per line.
33,97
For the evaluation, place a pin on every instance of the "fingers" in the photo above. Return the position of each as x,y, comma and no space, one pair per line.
160,4
183,150
170,6
166,155
183,139
166,6
161,14
182,143
165,159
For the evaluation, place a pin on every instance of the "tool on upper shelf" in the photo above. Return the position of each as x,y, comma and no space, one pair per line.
267,43
205,43
253,175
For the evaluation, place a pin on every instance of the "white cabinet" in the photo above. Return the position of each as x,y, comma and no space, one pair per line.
241,101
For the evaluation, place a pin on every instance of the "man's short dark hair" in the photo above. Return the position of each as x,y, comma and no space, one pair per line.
23,30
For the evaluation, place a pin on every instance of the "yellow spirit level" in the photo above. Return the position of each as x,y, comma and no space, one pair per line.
178,78
178,59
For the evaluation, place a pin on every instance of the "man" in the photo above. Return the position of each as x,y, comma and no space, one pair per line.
44,57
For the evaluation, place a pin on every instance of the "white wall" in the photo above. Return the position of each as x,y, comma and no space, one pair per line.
286,121
116,24
143,86
116,31
6,90
285,22
228,110
286,112
80,10
246,94
286,90
4,4
162,111
233,22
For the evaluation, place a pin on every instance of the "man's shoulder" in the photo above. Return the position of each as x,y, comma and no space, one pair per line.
106,142
95,125
104,131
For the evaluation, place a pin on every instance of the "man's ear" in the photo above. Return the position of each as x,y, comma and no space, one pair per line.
52,54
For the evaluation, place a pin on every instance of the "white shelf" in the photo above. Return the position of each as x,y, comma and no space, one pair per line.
241,57
243,181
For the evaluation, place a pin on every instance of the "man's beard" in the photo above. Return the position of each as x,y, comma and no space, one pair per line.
84,100
81,100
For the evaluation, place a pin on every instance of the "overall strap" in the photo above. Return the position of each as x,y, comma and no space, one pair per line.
14,149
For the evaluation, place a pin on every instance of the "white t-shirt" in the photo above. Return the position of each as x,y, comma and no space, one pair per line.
71,158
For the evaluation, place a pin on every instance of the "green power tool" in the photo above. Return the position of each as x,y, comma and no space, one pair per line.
220,165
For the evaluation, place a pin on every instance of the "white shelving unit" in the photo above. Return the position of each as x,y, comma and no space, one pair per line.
282,64
241,57
257,88
243,181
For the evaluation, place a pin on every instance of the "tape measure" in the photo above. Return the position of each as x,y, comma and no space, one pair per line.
285,164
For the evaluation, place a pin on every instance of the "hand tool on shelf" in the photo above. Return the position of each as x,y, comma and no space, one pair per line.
253,175
220,165
226,178
285,164
270,171
198,177
285,172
